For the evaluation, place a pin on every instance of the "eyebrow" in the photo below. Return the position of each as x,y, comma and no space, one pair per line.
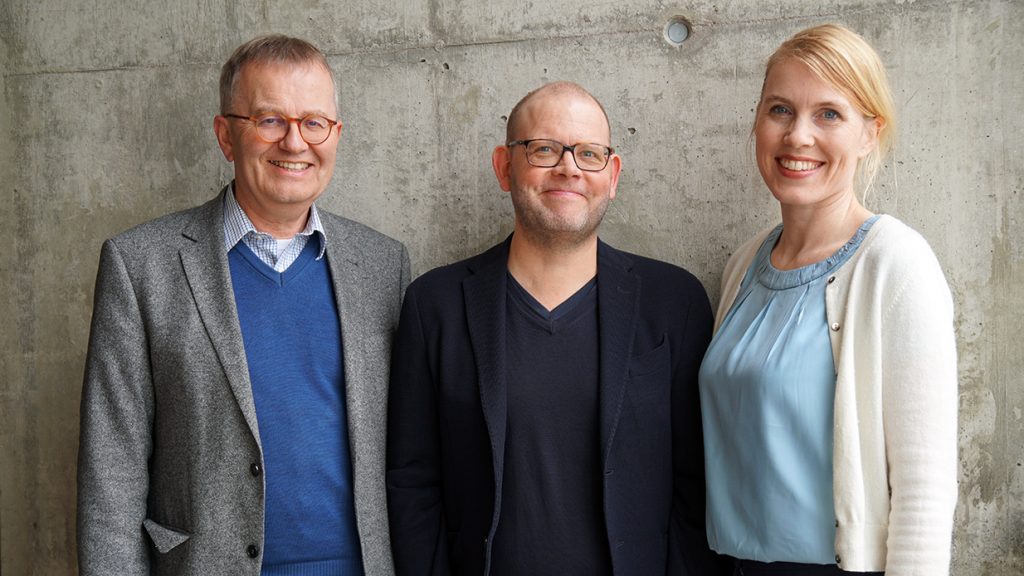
823,104
261,109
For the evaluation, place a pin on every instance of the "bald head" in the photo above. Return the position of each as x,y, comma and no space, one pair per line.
552,89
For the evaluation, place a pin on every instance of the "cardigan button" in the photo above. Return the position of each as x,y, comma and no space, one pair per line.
252,550
255,469
831,279
838,559
835,326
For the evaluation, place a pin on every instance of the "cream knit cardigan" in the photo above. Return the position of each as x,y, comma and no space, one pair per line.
890,316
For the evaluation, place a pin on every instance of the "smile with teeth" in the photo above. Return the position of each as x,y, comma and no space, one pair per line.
291,165
798,165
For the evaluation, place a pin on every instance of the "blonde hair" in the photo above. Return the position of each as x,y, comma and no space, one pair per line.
843,59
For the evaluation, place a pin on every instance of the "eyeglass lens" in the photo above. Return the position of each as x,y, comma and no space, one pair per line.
313,129
548,153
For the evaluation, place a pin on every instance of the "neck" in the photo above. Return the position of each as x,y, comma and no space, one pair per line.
812,234
551,274
281,222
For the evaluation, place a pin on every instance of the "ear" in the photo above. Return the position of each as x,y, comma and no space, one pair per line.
501,161
872,128
615,166
223,131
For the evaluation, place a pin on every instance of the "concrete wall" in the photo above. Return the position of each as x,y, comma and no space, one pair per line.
105,121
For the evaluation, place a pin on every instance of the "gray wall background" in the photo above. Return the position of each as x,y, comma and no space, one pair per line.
106,115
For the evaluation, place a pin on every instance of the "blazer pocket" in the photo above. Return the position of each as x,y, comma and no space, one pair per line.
165,539
651,361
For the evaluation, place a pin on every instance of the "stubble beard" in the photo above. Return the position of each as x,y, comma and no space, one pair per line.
551,229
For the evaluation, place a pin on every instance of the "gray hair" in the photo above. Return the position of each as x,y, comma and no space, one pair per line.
269,49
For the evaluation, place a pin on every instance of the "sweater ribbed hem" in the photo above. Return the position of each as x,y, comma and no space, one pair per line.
335,567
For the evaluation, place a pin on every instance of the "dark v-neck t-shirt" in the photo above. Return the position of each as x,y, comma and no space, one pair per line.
552,519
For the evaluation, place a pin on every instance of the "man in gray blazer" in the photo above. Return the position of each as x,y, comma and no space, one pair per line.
233,410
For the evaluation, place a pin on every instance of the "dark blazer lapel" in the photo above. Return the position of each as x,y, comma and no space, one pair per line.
485,293
618,299
205,262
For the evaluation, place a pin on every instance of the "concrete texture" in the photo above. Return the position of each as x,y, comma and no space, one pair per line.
105,121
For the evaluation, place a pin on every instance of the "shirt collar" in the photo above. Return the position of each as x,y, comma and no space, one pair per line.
237,224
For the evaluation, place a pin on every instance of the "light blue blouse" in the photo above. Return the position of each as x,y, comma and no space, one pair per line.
767,388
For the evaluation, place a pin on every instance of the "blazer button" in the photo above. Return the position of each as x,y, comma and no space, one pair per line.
252,550
255,468
835,326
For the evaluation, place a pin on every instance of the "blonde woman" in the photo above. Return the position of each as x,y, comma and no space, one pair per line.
829,392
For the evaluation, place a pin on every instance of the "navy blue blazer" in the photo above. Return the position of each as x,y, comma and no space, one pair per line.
447,416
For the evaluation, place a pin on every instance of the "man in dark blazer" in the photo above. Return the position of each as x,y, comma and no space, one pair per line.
235,393
543,412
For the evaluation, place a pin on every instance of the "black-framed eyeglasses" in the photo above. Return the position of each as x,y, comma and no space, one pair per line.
272,127
548,153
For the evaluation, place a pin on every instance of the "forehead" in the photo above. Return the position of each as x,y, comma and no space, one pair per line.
793,80
286,87
567,117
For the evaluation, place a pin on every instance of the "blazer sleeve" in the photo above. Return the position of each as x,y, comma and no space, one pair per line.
689,553
116,422
416,518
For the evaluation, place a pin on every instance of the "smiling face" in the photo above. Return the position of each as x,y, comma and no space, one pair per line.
809,137
561,204
275,183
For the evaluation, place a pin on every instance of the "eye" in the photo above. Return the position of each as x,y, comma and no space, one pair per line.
270,121
315,122
779,110
543,149
830,115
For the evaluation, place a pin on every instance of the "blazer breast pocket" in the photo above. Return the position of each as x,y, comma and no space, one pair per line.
164,539
650,376
654,360
648,402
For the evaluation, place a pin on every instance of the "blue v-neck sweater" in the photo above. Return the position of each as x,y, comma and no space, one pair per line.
292,338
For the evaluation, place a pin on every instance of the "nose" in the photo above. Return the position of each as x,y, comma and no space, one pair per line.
567,164
292,141
800,132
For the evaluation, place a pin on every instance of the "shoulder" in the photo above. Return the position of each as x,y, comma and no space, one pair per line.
892,235
356,232
166,234
448,277
665,272
159,229
895,266
740,260
660,280
384,261
894,249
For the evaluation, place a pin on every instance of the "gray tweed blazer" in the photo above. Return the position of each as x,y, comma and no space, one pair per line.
169,467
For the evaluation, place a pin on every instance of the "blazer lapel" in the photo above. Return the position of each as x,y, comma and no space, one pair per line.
618,299
205,262
485,293
360,333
